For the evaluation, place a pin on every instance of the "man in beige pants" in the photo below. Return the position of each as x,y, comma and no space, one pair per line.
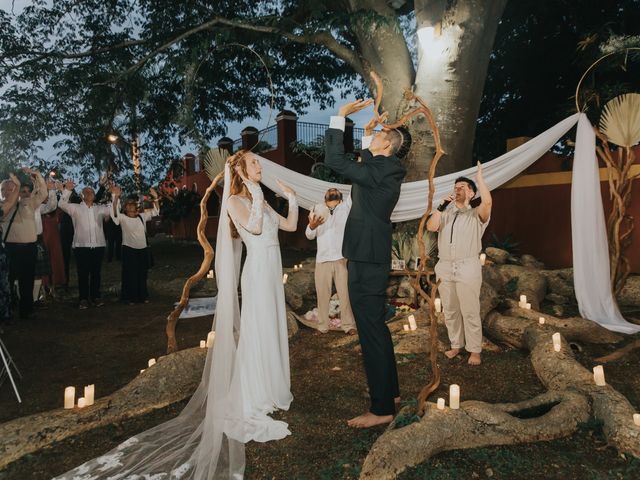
331,266
460,230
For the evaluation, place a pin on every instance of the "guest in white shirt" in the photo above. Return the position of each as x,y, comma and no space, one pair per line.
135,250
88,241
331,266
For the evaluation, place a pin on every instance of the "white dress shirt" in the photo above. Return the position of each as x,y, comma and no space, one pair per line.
87,221
50,206
338,123
134,229
331,233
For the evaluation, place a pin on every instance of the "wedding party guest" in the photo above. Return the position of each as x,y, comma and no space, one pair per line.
8,199
367,246
20,237
135,249
43,264
331,266
113,236
88,242
65,226
460,228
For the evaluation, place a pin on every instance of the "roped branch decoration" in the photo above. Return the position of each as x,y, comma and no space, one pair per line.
423,268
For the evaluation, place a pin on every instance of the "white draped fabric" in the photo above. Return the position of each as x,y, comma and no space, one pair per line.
590,250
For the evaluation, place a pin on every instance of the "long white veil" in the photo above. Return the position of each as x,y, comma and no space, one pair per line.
194,445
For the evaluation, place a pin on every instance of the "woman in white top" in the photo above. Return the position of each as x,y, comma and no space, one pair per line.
135,253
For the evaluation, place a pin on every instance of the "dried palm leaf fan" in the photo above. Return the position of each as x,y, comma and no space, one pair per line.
214,162
619,125
620,120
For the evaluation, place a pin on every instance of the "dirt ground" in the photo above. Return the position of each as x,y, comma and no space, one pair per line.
108,346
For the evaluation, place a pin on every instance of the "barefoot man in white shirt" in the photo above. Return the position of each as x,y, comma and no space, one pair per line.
331,266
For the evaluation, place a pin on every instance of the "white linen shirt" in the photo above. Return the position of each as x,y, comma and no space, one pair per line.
87,222
44,208
134,231
331,233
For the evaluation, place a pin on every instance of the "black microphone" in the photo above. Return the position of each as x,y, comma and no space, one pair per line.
442,207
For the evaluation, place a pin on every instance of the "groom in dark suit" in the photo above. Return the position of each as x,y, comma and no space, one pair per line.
367,247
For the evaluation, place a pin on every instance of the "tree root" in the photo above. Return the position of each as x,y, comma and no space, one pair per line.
618,354
548,416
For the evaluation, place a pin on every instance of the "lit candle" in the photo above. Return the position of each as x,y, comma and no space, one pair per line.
300,266
523,299
636,419
210,274
69,397
454,396
142,371
203,344
527,306
438,305
541,320
406,327
285,277
441,404
151,362
483,258
89,394
557,342
598,375
82,402
412,323
295,268
211,336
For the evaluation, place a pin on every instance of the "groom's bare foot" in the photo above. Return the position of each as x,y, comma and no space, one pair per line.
474,359
368,420
452,353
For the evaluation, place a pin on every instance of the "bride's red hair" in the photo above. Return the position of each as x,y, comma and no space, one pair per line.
237,187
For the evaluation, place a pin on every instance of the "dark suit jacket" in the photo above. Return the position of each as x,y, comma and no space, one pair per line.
376,188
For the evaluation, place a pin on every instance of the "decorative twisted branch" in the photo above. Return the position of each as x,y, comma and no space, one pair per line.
172,319
423,269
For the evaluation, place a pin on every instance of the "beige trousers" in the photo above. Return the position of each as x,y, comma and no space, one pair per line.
459,290
326,274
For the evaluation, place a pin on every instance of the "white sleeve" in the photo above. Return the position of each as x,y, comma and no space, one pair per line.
64,204
337,122
310,234
366,141
251,221
51,205
115,218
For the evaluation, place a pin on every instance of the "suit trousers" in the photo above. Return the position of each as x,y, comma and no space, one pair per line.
89,264
459,289
367,286
326,274
22,267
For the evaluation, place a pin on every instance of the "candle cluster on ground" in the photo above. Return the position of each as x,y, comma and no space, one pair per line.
297,267
598,376
87,400
523,302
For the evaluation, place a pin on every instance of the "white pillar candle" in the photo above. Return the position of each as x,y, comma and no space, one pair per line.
406,327
300,267
142,371
528,306
557,341
210,274
285,277
151,362
441,404
69,397
598,375
412,323
454,396
295,268
523,299
438,305
636,419
211,337
90,394
203,344
483,258
82,402
541,320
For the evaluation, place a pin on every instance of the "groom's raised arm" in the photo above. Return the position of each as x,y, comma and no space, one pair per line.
335,158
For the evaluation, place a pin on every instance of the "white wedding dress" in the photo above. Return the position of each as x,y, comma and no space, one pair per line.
246,373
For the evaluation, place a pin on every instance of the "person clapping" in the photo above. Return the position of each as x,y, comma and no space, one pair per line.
135,250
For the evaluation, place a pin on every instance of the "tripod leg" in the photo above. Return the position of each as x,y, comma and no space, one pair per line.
7,366
9,359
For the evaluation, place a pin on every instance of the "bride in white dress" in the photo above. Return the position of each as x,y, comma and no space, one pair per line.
246,373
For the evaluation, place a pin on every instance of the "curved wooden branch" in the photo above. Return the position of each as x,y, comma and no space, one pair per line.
172,319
